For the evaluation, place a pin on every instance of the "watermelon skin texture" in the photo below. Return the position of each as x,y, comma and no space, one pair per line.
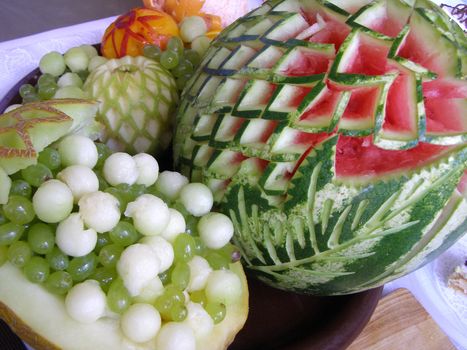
330,192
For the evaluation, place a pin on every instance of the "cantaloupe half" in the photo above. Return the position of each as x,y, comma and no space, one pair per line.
41,320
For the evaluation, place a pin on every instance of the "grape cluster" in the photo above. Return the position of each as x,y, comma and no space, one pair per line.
31,244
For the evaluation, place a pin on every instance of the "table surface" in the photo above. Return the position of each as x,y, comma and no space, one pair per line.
16,19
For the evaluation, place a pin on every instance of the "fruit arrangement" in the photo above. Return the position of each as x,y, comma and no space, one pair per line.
334,136
104,242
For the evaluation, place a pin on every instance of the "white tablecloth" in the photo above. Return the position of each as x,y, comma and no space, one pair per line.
18,57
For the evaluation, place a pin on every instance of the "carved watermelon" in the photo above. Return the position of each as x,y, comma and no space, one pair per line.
334,134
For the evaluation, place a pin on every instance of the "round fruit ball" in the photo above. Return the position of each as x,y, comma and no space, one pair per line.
131,31
337,152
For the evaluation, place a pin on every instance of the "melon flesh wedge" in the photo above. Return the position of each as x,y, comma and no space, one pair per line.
340,172
27,130
5,185
40,318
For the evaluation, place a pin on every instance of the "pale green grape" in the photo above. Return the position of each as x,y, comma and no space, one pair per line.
200,248
37,174
20,188
57,259
27,90
192,27
37,270
19,253
217,260
180,275
76,59
45,80
165,303
184,68
152,51
90,50
3,254
41,238
52,63
118,298
175,44
103,239
70,92
198,297
82,267
103,152
184,247
105,276
19,210
124,234
178,312
59,282
193,56
70,79
169,59
3,219
217,311
109,255
50,158
10,232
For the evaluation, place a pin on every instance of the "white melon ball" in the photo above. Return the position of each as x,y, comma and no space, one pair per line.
148,169
141,322
175,226
176,336
197,199
170,183
151,291
215,230
223,286
199,320
138,265
120,168
78,150
163,250
80,179
53,201
150,214
73,239
199,273
192,27
100,211
86,302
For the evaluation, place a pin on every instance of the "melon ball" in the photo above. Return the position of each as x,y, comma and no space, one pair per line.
163,250
170,183
199,320
141,322
196,198
53,201
215,230
78,150
100,211
80,180
150,214
73,239
138,265
148,169
176,336
223,286
199,273
175,226
151,291
120,168
86,302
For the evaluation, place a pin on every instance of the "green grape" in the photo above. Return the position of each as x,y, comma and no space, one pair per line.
178,312
70,79
126,192
57,259
198,297
216,260
37,270
50,157
45,79
109,255
182,81
105,276
19,210
27,90
90,50
184,68
217,311
137,190
19,253
59,282
3,254
47,92
230,252
3,219
37,174
77,59
164,303
30,98
169,59
184,247
20,188
181,275
118,298
102,183
41,238
120,197
193,57
103,239
82,267
166,276
191,224
103,152
52,63
84,74
124,234
152,51
10,232
175,44
200,248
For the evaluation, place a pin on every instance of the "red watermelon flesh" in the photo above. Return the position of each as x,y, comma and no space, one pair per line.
307,63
